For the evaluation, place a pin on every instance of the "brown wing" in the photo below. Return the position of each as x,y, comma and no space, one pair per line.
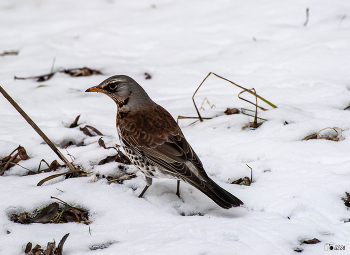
154,135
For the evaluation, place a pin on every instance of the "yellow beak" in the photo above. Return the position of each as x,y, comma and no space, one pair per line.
94,89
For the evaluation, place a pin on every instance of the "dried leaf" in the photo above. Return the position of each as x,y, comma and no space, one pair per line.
312,241
119,157
242,181
50,248
108,159
238,181
68,144
47,214
252,126
22,218
85,71
101,143
54,165
326,136
75,122
22,153
28,247
59,250
148,76
94,129
230,111
86,131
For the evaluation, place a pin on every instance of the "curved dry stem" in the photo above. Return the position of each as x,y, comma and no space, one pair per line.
245,89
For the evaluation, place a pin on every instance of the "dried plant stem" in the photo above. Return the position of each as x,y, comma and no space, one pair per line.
262,108
38,130
307,17
245,89
121,178
184,117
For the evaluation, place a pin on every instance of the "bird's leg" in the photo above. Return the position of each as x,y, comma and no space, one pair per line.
178,188
148,183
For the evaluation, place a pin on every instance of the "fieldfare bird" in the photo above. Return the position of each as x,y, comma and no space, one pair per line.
154,142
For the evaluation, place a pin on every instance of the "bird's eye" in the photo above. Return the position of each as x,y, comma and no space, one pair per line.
112,86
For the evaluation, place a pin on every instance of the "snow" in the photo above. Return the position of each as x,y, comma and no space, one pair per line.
297,185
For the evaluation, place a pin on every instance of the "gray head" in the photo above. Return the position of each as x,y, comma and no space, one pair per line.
124,91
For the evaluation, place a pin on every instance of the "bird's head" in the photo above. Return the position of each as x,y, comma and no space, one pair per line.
124,91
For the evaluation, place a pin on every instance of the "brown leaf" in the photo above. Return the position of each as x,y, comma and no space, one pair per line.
251,125
75,122
59,250
36,248
242,181
119,157
238,181
108,159
101,143
148,76
86,131
28,247
85,71
47,214
312,241
230,111
50,248
54,165
94,129
68,144
22,218
22,153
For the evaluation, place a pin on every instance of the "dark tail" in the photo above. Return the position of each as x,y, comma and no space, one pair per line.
220,196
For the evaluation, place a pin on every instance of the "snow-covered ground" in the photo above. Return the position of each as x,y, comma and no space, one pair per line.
297,185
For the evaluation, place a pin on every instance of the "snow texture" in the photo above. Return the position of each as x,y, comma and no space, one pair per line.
297,186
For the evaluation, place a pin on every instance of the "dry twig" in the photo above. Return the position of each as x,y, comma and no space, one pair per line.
38,130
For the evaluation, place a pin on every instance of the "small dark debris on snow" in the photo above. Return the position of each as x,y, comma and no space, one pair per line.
298,250
51,248
54,213
101,246
347,199
311,241
75,122
148,76
6,53
85,71
230,111
242,181
347,108
9,161
192,214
